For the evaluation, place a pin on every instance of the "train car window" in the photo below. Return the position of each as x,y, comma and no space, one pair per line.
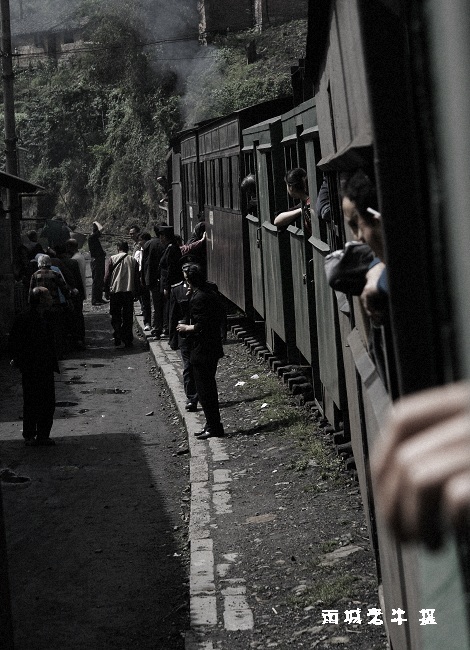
200,179
249,163
185,183
235,182
291,161
271,192
212,182
193,171
218,182
207,182
226,184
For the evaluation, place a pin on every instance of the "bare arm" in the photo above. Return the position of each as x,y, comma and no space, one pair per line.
285,218
421,469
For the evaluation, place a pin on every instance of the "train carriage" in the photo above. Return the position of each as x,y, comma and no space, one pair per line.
371,108
220,144
368,89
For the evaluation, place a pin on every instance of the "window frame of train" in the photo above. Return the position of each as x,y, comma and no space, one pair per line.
192,191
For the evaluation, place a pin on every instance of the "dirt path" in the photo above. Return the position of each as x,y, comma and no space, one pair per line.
97,536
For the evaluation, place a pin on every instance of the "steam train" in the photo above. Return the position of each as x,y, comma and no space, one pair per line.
374,93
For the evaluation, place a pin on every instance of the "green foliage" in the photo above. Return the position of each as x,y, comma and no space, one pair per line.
229,83
95,129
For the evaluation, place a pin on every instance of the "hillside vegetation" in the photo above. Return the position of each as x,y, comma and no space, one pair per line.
94,130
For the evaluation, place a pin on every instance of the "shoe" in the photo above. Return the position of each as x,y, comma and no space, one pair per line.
147,328
220,433
99,302
200,433
191,406
155,334
30,442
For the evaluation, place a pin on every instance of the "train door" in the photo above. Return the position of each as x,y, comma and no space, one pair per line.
276,252
251,211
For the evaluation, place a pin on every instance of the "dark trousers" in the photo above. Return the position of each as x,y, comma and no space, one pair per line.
188,375
165,310
157,300
206,386
146,305
38,404
76,321
97,275
121,309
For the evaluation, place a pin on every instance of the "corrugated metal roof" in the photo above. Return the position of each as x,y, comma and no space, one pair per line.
19,184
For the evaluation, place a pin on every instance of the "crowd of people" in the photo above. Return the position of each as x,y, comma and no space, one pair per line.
167,277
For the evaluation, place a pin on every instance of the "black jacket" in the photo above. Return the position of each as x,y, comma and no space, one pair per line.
206,314
31,343
170,268
151,256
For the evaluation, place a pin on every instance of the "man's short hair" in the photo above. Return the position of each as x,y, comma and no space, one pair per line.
360,190
71,245
123,246
194,274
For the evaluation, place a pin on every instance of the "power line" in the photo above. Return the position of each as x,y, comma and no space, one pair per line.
98,48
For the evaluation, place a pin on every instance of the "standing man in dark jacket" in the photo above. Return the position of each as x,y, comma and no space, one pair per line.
179,313
32,350
151,255
170,269
204,329
98,257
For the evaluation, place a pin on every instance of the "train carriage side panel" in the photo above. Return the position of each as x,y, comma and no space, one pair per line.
220,145
346,141
407,190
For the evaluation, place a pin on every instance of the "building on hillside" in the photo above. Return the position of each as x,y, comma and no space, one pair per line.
36,38
220,16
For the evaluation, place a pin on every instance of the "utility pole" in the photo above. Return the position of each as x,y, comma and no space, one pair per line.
6,287
8,93
9,213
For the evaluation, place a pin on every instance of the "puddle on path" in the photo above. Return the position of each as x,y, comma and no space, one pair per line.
62,404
